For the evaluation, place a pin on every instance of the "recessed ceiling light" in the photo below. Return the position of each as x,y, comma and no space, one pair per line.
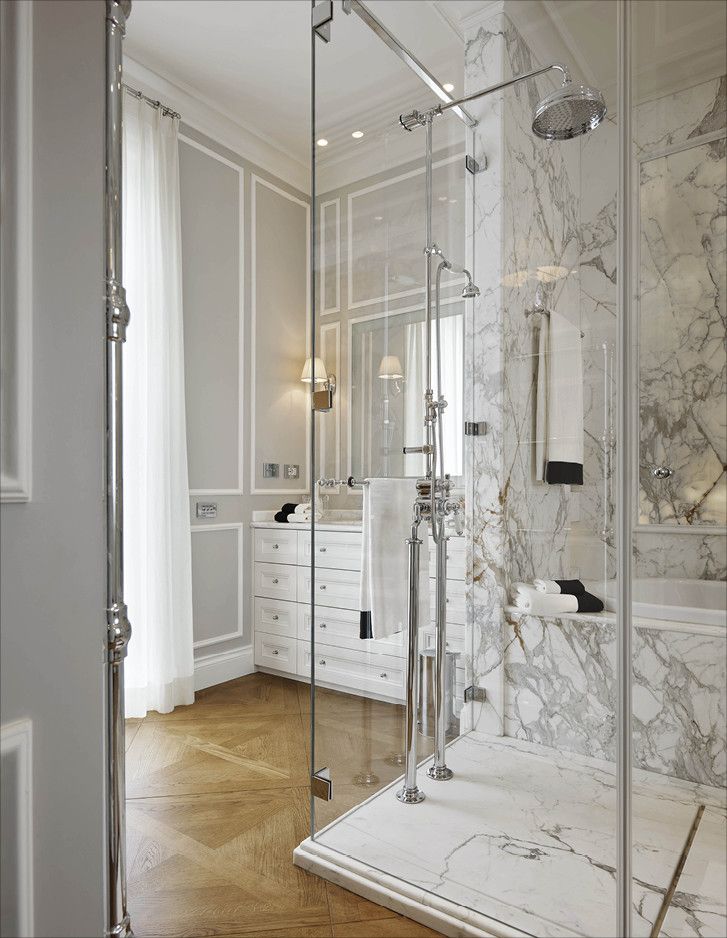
442,198
452,201
357,134
322,142
378,217
448,87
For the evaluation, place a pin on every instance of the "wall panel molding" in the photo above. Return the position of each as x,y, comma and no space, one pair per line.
16,258
16,755
238,631
330,311
240,320
255,182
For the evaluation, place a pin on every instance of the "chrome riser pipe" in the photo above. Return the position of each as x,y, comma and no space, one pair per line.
118,629
439,770
410,793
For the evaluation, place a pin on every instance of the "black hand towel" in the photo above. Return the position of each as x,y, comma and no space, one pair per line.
571,587
587,602
281,517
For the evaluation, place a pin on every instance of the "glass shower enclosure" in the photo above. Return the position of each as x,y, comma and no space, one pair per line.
586,740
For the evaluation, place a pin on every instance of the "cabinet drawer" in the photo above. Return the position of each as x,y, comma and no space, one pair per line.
276,616
276,581
381,674
339,588
337,550
456,607
273,546
340,627
456,559
276,651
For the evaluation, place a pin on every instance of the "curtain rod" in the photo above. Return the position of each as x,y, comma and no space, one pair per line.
166,111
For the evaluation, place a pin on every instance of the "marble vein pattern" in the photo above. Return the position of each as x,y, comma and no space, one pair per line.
682,318
528,836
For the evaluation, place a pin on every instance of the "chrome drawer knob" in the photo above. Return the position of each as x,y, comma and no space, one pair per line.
275,617
383,674
323,550
323,625
322,586
275,651
275,580
322,661
276,546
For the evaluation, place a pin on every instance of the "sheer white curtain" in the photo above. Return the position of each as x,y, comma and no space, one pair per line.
157,548
452,332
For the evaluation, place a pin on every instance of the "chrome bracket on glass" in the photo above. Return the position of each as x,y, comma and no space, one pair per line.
321,784
474,694
475,428
321,16
472,166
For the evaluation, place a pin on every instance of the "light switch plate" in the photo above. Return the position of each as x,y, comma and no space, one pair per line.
292,471
271,470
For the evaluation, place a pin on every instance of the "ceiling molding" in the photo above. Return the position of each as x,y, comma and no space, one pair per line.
445,17
199,112
489,9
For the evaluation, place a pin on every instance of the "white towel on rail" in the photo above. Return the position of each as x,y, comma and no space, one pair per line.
387,516
559,404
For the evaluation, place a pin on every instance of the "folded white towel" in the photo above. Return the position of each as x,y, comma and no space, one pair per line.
545,604
546,586
387,517
523,589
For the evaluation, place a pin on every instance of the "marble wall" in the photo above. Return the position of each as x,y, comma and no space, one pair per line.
547,213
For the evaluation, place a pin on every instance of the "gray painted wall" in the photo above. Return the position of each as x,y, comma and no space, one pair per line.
220,286
52,548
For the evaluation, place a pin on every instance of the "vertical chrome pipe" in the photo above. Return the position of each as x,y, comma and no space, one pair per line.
625,474
118,629
428,394
410,793
438,769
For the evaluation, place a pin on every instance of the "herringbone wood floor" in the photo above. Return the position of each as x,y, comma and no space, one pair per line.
218,798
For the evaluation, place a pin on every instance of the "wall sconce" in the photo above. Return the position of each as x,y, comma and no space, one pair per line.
390,368
324,385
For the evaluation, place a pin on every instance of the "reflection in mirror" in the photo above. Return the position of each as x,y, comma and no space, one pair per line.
387,389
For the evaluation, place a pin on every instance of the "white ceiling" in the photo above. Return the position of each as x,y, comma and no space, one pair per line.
250,59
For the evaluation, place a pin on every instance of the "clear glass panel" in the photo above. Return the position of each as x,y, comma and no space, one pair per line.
679,107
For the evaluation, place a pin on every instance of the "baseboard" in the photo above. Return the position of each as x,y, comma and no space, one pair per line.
223,666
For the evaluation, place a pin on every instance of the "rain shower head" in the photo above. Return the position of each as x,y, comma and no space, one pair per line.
471,290
568,112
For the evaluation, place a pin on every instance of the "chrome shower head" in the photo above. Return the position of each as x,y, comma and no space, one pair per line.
471,290
568,112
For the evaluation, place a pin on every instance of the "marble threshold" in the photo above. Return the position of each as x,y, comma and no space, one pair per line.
522,842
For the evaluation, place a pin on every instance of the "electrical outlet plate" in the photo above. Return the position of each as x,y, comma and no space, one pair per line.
271,470
292,471
206,509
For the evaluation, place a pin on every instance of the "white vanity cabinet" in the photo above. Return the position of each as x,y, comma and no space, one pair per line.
282,614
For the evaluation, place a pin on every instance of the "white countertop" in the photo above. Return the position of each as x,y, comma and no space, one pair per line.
333,521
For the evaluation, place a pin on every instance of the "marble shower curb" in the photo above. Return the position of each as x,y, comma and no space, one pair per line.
449,918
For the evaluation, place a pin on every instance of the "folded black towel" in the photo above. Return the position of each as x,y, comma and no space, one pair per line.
282,517
571,587
587,602
288,508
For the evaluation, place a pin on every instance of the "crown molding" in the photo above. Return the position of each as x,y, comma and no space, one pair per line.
488,9
203,115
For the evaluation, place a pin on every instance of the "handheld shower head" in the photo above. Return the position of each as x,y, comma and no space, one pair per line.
568,112
471,290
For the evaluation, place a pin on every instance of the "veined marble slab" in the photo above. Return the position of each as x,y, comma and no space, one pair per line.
527,836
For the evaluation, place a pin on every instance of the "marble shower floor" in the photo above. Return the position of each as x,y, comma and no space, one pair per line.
527,836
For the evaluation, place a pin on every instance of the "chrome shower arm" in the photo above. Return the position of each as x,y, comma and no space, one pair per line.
440,108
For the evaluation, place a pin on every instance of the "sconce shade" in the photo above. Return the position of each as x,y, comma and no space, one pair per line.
320,370
390,367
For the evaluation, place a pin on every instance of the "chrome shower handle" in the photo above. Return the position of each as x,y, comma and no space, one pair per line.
662,472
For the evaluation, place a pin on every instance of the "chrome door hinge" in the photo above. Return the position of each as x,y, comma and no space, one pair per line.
472,694
475,428
321,784
472,166
321,16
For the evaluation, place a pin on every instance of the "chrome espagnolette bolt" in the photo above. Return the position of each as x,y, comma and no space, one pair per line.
425,450
662,472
